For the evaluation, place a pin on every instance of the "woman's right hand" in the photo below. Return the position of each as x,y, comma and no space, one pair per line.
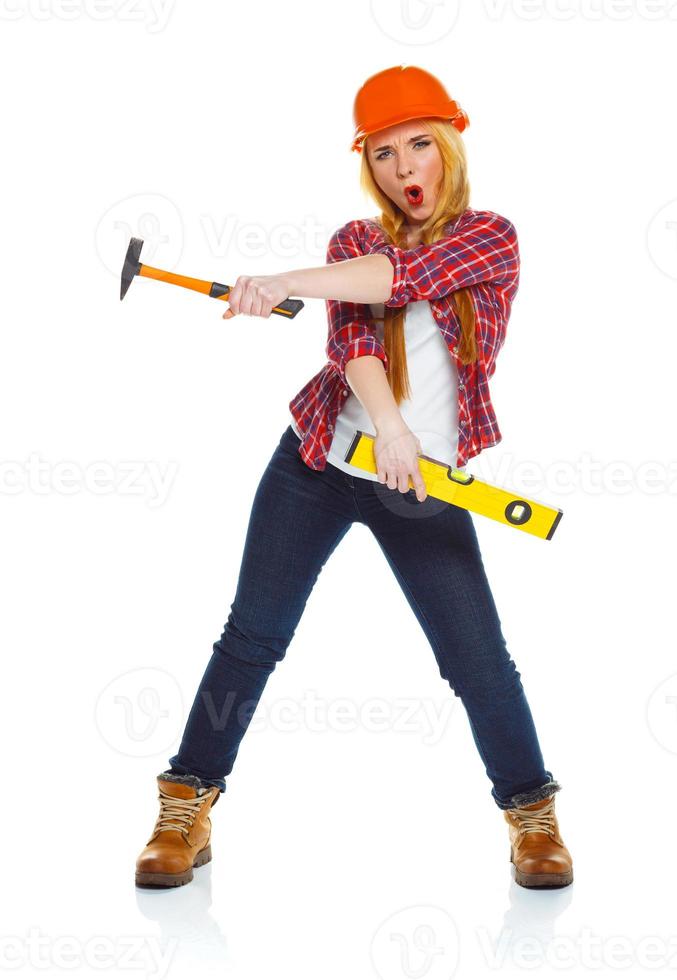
395,451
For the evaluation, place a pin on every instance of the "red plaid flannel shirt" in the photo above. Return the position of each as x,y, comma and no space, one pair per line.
480,251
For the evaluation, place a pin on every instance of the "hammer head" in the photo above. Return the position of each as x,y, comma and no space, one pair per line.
131,265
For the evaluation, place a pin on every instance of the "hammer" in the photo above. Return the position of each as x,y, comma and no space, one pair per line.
133,267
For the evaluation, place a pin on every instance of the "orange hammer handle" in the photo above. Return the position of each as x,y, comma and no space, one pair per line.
289,308
199,285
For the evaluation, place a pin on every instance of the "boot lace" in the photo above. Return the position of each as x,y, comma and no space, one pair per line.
177,814
541,821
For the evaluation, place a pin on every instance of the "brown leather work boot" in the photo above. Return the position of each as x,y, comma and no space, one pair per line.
181,838
537,852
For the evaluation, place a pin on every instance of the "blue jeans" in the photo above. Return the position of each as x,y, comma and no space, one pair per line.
298,517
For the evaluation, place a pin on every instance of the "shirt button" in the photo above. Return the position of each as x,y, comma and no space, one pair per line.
345,394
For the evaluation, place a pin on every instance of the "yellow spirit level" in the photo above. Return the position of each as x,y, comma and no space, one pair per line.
463,490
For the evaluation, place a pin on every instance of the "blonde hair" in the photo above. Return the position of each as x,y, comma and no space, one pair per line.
452,201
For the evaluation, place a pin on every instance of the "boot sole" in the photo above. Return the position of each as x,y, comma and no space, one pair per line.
550,880
156,879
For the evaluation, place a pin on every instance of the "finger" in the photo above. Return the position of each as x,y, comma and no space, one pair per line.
234,297
249,300
267,303
403,482
391,480
419,485
242,298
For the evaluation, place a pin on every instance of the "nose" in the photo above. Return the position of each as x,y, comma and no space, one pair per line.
404,168
405,165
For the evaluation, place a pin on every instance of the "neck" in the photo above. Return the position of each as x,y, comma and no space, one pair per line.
412,230
413,237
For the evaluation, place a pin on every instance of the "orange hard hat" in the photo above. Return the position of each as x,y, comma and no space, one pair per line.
398,94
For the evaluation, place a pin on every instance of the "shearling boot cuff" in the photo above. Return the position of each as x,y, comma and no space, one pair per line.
188,780
532,795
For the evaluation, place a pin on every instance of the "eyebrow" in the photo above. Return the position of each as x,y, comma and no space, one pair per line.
412,140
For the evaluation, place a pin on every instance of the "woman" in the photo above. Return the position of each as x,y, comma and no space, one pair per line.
422,389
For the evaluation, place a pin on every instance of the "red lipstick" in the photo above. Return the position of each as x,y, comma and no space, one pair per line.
414,194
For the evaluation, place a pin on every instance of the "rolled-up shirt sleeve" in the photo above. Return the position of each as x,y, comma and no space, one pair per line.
350,332
485,250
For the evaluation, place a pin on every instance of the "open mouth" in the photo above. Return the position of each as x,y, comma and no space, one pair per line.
414,194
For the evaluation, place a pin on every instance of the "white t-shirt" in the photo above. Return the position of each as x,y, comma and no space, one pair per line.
432,411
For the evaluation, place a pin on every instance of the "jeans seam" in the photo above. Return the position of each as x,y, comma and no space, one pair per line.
357,505
405,586
350,488
335,541
437,646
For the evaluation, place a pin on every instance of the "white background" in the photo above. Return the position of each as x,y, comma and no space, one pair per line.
363,850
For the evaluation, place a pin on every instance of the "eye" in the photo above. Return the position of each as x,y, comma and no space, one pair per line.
381,155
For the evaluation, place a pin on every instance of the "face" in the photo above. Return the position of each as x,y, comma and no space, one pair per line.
406,156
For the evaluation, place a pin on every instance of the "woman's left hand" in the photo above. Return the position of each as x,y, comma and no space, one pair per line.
256,295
